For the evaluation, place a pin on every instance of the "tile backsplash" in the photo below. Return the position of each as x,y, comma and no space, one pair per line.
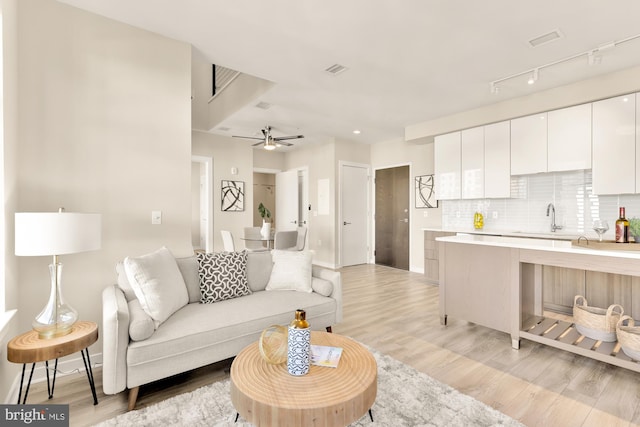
526,211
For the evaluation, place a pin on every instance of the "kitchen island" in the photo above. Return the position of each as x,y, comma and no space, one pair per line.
496,282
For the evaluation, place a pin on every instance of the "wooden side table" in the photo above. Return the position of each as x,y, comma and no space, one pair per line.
29,348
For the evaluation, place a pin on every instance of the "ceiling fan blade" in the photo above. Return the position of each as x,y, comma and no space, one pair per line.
283,143
257,143
247,137
283,138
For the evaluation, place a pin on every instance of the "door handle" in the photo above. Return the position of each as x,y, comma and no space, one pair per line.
294,222
346,223
404,220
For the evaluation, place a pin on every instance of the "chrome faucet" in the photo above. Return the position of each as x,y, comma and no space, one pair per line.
552,209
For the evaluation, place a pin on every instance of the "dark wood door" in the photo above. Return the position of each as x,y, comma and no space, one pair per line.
392,217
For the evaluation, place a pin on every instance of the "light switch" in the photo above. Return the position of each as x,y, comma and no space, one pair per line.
156,217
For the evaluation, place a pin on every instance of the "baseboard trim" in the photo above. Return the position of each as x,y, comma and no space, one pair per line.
67,366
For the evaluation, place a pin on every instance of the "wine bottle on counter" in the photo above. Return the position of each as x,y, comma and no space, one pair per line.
622,228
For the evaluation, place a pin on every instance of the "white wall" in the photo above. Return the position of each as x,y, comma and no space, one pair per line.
320,159
9,371
420,158
104,126
227,153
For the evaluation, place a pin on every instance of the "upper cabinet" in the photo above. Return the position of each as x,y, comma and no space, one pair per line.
447,157
473,163
569,139
497,160
529,144
614,145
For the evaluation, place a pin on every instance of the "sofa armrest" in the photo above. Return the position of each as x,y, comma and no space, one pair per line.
336,279
115,340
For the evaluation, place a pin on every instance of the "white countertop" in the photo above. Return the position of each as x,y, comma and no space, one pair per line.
554,236
562,246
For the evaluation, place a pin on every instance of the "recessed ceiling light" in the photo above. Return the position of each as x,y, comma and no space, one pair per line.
224,129
263,105
357,131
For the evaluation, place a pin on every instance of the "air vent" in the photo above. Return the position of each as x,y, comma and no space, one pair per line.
336,69
263,105
545,38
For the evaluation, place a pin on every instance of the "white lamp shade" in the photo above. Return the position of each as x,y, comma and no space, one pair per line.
56,233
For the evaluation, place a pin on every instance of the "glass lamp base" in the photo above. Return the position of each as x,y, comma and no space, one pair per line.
56,318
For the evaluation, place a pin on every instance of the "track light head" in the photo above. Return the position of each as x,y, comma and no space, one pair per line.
534,77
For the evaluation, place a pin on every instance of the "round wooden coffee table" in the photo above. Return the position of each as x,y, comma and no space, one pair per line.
266,395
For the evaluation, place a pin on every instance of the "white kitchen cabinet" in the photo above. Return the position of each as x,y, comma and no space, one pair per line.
614,145
447,160
529,144
473,163
569,138
497,160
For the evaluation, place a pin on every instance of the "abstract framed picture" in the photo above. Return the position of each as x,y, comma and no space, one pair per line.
425,192
232,196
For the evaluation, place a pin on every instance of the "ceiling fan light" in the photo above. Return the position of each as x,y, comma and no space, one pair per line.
268,145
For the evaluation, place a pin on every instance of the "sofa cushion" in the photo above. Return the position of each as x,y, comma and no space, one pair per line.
222,276
259,265
291,271
191,329
157,283
321,286
123,282
189,268
141,325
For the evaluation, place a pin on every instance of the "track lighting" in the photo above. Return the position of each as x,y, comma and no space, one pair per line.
594,56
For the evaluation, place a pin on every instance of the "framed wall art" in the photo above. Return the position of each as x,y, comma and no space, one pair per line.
232,196
424,192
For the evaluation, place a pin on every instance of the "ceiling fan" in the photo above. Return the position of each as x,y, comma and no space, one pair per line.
270,143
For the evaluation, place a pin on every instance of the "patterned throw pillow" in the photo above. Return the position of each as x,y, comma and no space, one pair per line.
222,276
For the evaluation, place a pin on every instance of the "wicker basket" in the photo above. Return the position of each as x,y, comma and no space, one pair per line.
596,323
629,337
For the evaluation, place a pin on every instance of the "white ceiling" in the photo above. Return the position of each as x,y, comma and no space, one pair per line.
408,61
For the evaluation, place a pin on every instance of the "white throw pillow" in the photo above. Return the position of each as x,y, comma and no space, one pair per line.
157,283
291,271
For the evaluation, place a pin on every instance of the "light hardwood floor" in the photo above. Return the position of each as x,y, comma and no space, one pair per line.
396,312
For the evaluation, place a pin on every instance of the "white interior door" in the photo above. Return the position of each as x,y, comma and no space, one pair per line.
287,200
354,222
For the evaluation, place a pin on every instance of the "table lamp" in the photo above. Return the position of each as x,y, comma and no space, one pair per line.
54,234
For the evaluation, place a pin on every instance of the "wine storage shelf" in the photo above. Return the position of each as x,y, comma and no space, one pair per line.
564,336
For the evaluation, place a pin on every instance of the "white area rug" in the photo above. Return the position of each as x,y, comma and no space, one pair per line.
405,397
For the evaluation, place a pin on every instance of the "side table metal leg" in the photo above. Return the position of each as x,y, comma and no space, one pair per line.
24,365
87,367
370,414
55,371
26,392
46,368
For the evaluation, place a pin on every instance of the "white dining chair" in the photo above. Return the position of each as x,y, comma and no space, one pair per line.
227,241
302,238
286,240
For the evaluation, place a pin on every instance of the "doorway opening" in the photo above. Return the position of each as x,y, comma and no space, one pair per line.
392,217
202,203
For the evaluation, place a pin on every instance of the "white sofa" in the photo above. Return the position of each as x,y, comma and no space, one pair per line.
199,334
